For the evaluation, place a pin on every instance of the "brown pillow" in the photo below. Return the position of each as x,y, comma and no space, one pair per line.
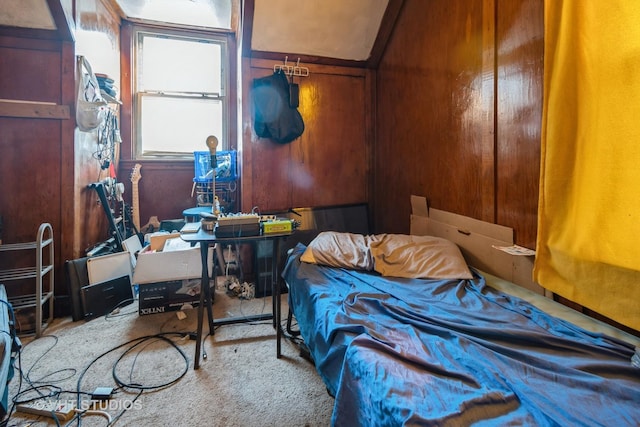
343,250
418,257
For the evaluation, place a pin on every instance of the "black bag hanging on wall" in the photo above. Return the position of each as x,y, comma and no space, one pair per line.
275,117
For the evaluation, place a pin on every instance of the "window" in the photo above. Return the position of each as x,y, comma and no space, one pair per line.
180,87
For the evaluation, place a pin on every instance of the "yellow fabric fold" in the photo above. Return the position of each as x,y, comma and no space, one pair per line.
589,206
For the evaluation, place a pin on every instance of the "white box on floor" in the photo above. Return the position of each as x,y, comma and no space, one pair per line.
106,267
156,266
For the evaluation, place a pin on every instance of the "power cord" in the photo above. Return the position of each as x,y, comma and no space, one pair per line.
27,376
39,391
135,344
139,341
117,310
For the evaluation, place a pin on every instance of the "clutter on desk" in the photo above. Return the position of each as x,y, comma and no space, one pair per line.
277,225
238,224
190,227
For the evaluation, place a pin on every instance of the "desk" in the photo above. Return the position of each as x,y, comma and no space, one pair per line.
205,239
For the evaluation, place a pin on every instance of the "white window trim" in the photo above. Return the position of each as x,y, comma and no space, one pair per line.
136,146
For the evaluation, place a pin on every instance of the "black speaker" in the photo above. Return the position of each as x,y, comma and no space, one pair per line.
102,298
77,278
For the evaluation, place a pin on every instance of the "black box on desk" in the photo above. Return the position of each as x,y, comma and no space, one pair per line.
172,295
238,230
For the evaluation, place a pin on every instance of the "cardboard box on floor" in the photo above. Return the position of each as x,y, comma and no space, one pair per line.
157,271
475,237
173,295
157,265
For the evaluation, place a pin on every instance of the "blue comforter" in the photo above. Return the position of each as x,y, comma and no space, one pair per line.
424,352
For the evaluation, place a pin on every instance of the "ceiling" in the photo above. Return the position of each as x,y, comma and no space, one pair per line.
192,13
327,28
27,14
35,18
317,30
337,29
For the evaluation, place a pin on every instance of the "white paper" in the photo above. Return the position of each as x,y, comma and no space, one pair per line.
176,244
516,250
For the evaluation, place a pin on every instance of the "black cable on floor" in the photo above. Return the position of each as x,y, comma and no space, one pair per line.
134,345
161,337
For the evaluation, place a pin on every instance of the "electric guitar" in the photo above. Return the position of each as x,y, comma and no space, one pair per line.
135,202
153,224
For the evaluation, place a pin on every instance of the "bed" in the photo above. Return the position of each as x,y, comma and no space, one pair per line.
457,346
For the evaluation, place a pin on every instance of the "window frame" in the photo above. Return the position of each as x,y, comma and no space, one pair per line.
221,38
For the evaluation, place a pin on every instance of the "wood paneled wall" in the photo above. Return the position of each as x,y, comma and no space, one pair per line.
519,73
35,153
459,101
90,225
46,163
330,163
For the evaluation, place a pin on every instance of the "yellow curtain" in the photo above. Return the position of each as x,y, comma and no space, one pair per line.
588,246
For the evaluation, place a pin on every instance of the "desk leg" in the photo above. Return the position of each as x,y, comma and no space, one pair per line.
275,291
205,298
274,305
207,289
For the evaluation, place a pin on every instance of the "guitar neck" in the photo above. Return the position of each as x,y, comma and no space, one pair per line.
135,198
135,205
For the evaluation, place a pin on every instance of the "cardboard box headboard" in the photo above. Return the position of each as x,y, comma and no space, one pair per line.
477,241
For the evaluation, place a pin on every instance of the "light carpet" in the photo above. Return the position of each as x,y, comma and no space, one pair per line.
240,383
